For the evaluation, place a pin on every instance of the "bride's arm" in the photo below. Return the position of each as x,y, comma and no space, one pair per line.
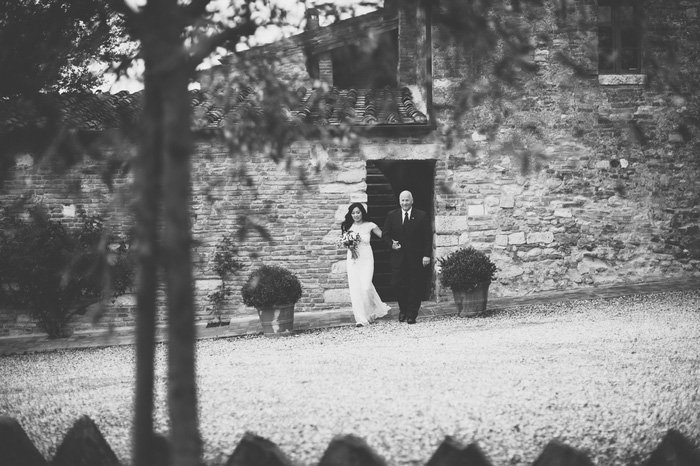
377,231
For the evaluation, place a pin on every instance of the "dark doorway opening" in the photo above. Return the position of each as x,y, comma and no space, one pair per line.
385,181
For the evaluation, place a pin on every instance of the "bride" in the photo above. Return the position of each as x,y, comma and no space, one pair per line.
366,303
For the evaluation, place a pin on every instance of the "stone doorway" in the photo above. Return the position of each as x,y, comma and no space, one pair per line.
385,181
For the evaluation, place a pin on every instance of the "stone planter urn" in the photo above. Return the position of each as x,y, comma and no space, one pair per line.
473,302
278,320
468,273
273,291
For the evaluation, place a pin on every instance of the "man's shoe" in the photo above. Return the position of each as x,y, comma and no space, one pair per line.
402,317
411,321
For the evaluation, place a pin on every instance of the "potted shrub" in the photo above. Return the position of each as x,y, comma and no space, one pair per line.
273,291
468,273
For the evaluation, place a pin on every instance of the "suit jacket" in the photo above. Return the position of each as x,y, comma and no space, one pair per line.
416,238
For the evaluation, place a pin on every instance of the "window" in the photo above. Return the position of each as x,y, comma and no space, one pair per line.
619,37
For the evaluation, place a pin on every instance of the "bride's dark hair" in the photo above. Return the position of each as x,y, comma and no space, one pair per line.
347,223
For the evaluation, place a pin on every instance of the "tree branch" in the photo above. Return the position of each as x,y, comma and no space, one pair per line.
206,46
132,18
122,8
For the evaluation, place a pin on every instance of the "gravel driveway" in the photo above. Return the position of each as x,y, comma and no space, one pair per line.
606,376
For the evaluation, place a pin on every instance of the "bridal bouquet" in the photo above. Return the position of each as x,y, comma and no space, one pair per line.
350,240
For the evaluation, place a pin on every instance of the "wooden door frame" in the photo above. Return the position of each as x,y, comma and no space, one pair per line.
417,176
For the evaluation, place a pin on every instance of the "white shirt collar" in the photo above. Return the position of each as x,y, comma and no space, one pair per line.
406,212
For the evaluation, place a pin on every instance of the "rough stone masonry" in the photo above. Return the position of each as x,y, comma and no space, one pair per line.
573,179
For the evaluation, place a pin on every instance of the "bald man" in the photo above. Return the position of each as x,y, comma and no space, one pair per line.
408,233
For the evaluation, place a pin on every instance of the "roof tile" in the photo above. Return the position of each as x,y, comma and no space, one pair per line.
97,112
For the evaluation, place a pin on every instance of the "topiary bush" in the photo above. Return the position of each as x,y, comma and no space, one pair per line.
269,286
55,272
465,269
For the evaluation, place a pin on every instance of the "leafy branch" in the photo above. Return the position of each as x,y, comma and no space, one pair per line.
225,265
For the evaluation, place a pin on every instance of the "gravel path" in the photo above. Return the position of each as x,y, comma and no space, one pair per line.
607,376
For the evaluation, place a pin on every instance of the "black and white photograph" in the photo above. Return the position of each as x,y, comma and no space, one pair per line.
350,233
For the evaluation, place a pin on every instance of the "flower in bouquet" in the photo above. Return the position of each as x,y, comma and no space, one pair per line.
350,240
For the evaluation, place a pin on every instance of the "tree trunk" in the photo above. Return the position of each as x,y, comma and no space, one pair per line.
147,170
166,79
182,390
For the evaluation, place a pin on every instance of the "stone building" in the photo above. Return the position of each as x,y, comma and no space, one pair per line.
583,172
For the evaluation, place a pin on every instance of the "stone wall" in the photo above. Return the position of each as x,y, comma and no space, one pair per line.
302,220
571,180
611,191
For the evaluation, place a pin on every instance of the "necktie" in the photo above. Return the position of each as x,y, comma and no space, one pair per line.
405,219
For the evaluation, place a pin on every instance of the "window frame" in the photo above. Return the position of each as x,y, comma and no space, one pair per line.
616,32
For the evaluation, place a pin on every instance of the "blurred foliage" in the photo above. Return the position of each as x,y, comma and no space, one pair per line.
55,272
52,45
495,78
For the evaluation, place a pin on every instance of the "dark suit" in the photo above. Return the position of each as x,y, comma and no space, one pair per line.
407,271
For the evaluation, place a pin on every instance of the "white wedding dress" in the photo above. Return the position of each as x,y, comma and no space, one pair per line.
366,303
